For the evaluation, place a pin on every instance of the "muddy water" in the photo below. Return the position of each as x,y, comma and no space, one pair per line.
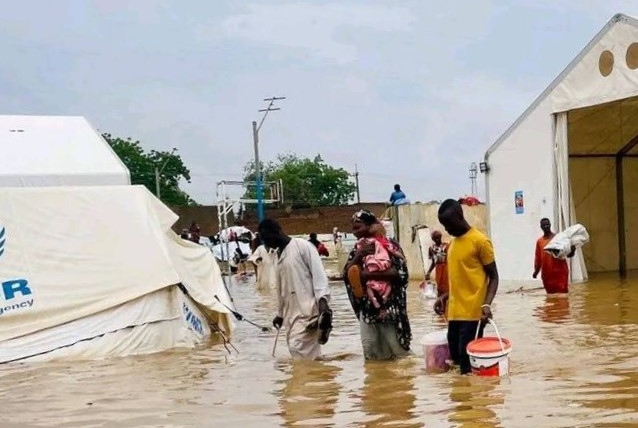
574,363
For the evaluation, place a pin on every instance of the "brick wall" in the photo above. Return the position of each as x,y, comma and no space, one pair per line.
294,221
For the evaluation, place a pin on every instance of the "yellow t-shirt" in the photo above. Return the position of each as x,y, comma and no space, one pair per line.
467,256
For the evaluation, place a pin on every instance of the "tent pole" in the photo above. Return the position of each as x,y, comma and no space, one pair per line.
620,207
620,203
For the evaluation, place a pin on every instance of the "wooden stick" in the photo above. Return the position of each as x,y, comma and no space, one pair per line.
276,339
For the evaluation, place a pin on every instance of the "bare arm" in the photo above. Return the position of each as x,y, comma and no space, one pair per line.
538,258
389,275
432,264
431,268
492,287
359,255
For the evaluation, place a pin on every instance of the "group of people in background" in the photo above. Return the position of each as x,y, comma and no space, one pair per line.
376,279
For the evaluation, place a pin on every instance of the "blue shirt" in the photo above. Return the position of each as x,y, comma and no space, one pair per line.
396,195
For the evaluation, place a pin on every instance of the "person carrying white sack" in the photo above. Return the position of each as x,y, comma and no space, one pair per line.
564,244
552,252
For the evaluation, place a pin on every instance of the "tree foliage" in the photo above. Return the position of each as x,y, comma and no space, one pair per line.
306,182
141,166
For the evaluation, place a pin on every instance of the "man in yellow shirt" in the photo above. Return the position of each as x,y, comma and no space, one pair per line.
473,281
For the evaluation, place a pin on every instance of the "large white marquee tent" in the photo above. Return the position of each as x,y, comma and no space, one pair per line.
573,157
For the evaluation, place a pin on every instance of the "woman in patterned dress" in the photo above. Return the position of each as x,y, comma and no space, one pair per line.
385,331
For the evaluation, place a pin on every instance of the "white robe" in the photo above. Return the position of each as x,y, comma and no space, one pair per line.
266,267
301,282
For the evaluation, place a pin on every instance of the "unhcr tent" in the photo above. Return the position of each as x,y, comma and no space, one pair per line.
93,272
573,157
56,151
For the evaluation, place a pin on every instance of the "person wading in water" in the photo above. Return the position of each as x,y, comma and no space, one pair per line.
554,272
385,332
438,254
473,282
302,290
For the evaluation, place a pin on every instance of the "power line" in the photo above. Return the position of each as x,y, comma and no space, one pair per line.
258,172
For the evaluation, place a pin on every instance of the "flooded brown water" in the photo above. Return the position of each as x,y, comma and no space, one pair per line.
574,364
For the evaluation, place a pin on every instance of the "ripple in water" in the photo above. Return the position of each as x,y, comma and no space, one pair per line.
573,364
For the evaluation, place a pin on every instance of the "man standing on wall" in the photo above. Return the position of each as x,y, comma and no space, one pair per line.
554,272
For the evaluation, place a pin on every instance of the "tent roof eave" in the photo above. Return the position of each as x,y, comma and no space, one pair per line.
619,17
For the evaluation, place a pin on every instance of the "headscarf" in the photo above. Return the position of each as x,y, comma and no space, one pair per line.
365,217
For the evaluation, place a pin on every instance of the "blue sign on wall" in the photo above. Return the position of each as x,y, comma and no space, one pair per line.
519,204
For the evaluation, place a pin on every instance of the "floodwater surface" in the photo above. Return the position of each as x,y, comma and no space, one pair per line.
574,364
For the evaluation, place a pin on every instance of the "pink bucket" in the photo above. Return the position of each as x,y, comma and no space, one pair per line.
436,351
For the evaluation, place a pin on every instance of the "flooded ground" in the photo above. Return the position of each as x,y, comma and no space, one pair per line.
574,364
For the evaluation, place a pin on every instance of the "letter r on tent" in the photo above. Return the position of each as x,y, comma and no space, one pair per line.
9,288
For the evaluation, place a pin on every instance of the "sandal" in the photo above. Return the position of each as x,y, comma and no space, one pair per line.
325,326
354,279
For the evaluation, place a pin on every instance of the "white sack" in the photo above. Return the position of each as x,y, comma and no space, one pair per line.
561,243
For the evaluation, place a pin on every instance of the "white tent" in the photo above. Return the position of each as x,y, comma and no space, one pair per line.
573,157
91,272
56,151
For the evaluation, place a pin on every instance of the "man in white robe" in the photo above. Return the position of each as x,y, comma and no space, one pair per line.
302,290
265,263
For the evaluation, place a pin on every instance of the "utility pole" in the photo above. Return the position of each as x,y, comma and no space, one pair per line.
356,182
159,171
258,176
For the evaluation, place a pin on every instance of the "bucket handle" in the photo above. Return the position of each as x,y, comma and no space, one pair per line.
490,321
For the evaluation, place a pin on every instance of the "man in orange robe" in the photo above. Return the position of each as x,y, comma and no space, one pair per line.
554,272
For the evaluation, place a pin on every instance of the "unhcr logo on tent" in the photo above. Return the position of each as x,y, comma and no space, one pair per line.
14,290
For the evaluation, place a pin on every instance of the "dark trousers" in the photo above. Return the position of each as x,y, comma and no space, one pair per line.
459,334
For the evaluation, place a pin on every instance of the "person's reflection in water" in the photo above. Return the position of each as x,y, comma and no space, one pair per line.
310,394
471,399
388,396
555,310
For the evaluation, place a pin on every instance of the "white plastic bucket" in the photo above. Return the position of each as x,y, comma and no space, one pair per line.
489,356
429,291
436,351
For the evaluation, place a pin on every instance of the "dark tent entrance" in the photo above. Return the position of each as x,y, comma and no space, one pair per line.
603,175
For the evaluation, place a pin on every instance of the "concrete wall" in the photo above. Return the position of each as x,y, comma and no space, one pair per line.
426,215
322,220
294,221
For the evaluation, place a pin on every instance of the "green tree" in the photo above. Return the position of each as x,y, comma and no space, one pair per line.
141,166
306,182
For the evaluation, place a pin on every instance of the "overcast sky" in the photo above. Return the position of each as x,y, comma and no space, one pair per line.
412,91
